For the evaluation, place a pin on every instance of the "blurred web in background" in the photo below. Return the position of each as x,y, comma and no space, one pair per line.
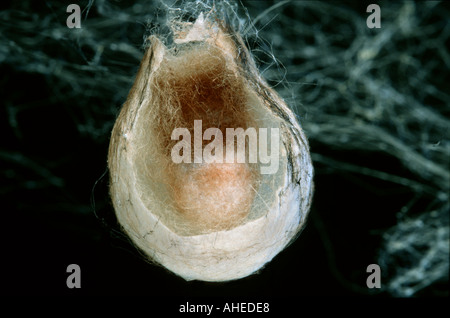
354,89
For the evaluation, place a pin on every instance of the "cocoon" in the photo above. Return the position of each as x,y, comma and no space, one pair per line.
211,221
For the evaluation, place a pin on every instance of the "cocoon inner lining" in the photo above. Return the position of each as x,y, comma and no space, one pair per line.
198,82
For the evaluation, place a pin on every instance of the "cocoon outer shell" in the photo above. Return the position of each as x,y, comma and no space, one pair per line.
147,212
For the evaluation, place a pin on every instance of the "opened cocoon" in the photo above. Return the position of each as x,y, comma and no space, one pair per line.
204,219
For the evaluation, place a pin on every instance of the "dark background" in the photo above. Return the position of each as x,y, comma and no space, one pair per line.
62,89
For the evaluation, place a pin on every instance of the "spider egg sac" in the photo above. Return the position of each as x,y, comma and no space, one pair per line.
210,172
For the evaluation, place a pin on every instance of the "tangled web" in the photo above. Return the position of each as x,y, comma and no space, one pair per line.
354,89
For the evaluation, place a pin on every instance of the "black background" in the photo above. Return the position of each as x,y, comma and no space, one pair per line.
56,210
